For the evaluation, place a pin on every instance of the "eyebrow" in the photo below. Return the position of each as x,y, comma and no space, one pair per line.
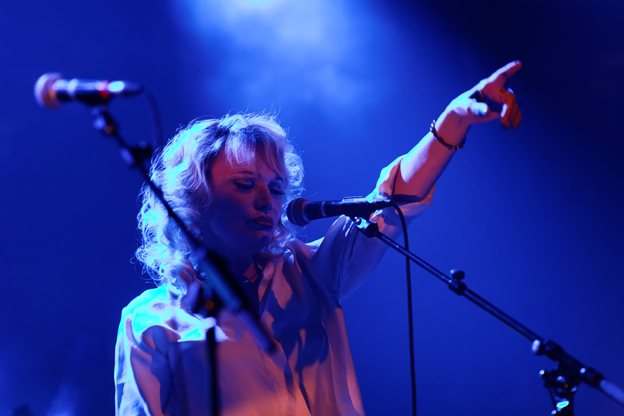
248,172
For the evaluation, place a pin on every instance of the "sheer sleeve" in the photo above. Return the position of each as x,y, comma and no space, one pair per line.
344,258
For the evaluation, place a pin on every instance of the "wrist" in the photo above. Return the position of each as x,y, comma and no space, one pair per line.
439,138
452,127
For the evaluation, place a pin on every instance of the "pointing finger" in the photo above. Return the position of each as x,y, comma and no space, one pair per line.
504,73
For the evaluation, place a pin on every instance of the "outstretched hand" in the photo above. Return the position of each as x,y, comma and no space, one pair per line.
486,101
489,100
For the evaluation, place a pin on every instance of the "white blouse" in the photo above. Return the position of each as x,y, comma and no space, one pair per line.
161,358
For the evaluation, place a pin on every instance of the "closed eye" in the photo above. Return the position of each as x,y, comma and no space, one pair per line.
243,185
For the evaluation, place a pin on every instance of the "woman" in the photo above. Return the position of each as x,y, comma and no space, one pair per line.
228,180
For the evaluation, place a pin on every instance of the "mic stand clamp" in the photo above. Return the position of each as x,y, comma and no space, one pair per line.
105,124
562,382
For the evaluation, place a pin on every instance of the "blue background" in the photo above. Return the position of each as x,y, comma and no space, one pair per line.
533,215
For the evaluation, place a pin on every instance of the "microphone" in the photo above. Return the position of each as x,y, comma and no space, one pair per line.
300,211
51,90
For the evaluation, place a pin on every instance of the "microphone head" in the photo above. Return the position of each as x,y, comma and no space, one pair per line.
44,93
295,213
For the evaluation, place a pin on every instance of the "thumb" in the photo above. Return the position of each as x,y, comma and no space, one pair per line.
479,109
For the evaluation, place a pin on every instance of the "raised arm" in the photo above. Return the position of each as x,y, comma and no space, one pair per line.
486,101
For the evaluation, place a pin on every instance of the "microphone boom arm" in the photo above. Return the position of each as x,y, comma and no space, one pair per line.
561,382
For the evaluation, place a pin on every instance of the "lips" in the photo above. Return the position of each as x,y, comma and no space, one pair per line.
264,222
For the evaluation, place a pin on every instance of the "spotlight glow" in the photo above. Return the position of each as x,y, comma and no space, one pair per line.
257,4
317,53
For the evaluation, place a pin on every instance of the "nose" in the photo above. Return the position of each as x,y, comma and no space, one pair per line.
264,200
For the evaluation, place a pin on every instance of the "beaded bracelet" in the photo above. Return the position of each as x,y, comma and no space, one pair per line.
445,144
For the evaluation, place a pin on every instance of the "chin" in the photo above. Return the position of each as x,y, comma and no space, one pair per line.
259,240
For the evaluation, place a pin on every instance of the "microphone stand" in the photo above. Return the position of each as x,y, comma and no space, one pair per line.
220,289
561,382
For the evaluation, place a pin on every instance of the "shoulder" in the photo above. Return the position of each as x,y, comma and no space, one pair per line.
158,313
154,307
151,300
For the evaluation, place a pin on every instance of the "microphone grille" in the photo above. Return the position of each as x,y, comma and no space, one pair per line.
44,93
294,212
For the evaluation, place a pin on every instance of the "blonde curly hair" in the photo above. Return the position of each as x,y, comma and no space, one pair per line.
180,171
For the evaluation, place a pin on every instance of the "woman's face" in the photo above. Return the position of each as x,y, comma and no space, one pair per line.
245,207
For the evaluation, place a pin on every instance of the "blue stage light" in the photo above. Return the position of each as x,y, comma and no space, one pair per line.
258,3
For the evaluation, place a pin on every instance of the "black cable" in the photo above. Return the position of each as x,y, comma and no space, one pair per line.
410,317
